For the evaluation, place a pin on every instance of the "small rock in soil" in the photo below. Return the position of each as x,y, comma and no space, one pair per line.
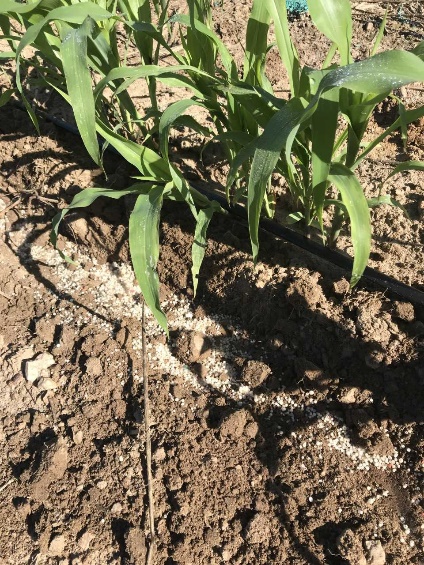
77,436
255,373
363,422
311,373
84,540
404,311
46,383
233,424
93,367
53,465
159,454
116,508
226,555
23,506
101,485
199,345
36,368
375,552
45,330
341,287
57,545
350,548
136,545
349,396
257,530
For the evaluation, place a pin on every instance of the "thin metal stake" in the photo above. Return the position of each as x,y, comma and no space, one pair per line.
152,546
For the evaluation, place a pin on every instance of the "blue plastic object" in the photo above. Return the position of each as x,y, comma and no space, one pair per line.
296,6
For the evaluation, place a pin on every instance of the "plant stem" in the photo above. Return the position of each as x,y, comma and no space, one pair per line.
152,546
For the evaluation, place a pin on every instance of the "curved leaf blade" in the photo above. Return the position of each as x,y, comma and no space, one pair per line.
84,199
334,19
78,80
267,153
378,74
278,12
144,248
198,249
172,113
357,207
405,166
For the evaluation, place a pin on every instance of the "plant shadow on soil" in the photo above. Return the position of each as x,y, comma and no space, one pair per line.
298,339
304,348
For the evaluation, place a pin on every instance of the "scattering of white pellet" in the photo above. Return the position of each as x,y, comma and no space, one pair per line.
112,295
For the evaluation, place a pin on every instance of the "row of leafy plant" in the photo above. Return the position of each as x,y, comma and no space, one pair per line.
315,140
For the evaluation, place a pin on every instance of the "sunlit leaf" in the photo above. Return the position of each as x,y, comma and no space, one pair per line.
357,207
144,248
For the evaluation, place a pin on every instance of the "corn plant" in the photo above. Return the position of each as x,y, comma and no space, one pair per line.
73,42
76,54
301,140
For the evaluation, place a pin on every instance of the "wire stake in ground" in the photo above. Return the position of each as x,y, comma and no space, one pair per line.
152,545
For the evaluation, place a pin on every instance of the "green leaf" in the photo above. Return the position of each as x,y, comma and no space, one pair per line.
380,35
200,243
324,126
6,95
256,43
84,199
170,75
78,80
168,118
75,14
144,248
377,75
408,117
278,12
405,166
294,218
268,147
334,19
386,199
149,163
258,103
357,207
419,50
226,57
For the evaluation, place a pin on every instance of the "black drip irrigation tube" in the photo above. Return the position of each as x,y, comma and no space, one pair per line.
345,262
390,285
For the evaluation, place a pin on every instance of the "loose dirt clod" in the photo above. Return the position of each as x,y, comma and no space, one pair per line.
57,545
350,548
375,552
38,367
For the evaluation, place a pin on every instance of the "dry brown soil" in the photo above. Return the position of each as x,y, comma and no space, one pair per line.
287,412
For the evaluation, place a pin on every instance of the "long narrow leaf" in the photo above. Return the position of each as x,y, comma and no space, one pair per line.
357,207
149,163
84,199
144,248
168,118
324,126
376,75
256,43
78,80
409,117
405,166
226,57
268,149
380,35
334,19
199,244
278,12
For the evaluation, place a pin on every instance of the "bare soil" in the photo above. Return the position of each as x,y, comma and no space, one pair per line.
287,412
